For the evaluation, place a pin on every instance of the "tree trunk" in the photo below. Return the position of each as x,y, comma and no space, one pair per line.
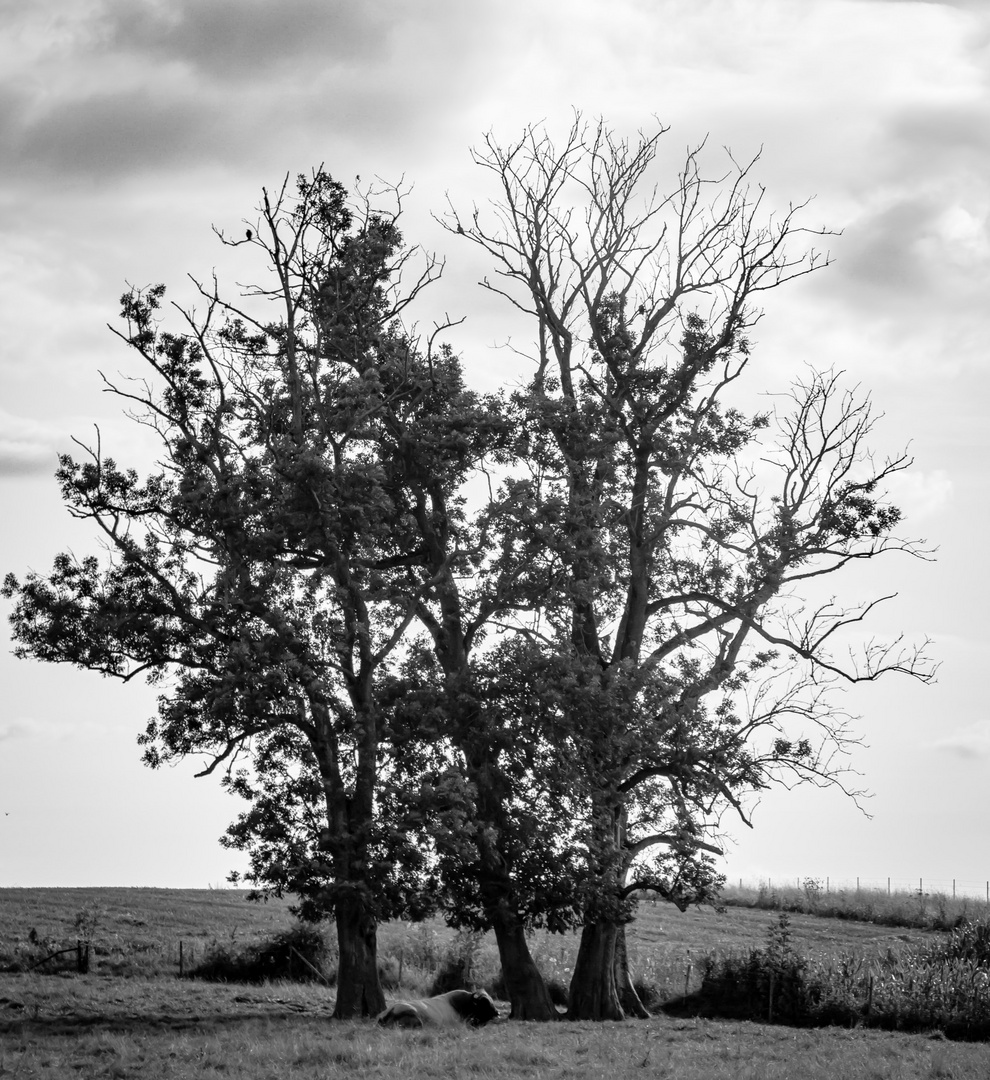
594,993
359,989
628,998
528,994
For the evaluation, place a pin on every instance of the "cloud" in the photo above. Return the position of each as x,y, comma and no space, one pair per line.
107,134
921,494
224,40
17,728
970,743
27,447
138,87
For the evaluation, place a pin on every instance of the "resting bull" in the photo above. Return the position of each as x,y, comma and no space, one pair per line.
445,1010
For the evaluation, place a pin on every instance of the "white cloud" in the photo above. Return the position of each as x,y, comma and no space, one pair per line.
921,494
17,728
969,743
28,446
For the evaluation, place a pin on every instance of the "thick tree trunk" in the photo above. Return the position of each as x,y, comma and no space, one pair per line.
628,998
359,989
594,993
528,994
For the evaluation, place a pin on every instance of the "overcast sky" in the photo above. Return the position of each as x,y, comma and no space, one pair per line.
129,128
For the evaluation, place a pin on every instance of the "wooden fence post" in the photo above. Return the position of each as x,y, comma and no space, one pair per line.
181,966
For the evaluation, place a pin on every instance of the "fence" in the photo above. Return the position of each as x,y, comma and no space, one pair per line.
957,888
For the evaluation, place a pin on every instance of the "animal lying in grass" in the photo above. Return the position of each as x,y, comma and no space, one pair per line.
445,1010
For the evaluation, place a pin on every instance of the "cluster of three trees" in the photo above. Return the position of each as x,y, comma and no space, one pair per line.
511,654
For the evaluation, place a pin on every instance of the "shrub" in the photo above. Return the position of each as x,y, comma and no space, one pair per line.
649,994
764,984
459,966
969,941
300,954
944,986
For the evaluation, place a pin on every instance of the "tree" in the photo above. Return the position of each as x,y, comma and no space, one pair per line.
666,536
253,576
494,797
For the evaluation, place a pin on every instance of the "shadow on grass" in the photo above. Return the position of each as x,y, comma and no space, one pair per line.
74,1025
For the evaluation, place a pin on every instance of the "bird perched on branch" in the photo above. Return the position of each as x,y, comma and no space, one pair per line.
249,234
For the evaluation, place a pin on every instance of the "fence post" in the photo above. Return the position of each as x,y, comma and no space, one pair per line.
181,966
888,886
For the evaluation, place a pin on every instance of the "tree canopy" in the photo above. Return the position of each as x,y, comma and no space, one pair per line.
514,655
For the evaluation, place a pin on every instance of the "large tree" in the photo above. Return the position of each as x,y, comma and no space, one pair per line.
668,535
255,574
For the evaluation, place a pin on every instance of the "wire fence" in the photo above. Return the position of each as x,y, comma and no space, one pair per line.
957,888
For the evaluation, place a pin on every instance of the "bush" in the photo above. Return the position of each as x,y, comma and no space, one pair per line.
458,968
649,994
969,941
300,954
944,987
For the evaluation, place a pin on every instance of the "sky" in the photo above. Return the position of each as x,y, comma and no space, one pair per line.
128,128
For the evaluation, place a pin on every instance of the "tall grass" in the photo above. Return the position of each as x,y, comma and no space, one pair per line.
943,985
916,910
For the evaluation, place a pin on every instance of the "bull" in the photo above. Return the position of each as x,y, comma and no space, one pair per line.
474,1008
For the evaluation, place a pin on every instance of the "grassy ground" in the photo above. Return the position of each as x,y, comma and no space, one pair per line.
88,1026
152,1024
133,931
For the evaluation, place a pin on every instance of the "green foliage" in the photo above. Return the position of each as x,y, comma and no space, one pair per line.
458,970
303,953
528,707
944,986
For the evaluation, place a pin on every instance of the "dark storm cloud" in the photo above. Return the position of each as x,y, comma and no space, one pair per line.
884,253
228,39
140,85
112,133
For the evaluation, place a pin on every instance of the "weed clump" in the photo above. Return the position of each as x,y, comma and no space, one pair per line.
302,953
944,986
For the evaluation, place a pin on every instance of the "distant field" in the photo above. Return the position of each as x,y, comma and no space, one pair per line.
151,1024
135,931
138,931
907,908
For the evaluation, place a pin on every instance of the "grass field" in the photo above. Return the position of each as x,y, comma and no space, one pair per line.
130,1017
914,909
